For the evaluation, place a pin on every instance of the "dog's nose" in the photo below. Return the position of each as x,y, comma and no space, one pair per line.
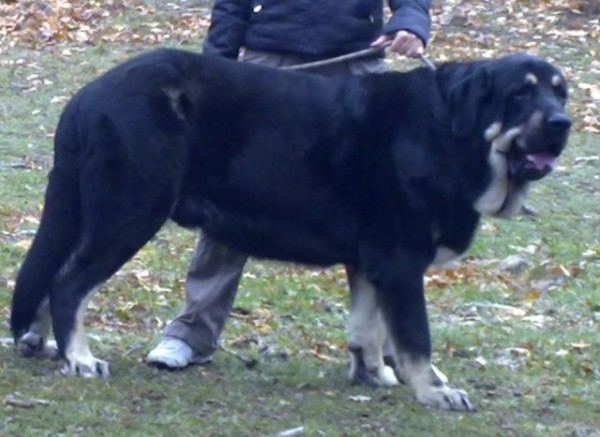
558,121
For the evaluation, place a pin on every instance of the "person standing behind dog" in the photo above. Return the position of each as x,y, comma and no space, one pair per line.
279,33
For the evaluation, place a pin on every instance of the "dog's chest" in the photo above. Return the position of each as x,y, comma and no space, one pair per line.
452,238
444,255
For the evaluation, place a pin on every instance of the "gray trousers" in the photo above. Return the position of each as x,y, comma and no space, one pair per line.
215,270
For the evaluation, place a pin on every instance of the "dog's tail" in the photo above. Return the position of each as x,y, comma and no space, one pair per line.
53,244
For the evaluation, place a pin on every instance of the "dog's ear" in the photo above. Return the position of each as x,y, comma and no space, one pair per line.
466,97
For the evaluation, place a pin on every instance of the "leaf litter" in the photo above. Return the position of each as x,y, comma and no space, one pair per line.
462,29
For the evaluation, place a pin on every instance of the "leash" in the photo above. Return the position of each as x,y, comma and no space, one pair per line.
351,56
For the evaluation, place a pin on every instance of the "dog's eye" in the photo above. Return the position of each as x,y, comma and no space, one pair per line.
560,92
523,91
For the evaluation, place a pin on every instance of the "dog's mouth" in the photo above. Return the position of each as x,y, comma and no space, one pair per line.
519,156
526,165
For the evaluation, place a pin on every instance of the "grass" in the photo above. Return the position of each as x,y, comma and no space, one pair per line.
522,343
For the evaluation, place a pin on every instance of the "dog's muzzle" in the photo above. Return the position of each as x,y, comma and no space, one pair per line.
535,151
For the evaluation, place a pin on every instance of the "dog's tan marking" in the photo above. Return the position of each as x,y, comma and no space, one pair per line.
367,332
41,323
492,200
80,360
531,78
514,203
174,95
431,385
536,120
493,131
556,80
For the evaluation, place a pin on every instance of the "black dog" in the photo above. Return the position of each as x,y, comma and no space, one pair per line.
386,173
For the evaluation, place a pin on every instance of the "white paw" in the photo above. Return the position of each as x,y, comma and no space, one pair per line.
35,345
31,345
89,367
375,374
445,398
51,350
386,377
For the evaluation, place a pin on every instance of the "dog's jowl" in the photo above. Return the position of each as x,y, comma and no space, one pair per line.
386,174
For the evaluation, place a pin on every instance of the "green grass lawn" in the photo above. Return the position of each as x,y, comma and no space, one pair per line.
523,344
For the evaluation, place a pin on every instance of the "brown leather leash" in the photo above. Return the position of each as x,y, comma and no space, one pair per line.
351,56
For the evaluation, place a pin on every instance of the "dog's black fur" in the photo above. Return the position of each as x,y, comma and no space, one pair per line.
379,172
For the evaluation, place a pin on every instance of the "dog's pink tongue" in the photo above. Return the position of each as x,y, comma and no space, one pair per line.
541,160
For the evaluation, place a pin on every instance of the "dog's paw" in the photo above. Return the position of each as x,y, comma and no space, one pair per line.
375,375
51,350
30,345
35,345
88,368
446,398
385,376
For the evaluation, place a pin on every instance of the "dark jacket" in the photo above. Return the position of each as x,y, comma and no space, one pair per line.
319,28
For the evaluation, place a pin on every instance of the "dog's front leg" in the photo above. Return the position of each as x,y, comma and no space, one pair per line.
367,333
400,295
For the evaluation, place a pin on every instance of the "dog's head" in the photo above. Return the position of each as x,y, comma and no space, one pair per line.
515,106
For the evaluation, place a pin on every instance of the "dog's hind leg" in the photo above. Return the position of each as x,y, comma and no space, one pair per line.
129,185
35,342
105,248
53,244
367,334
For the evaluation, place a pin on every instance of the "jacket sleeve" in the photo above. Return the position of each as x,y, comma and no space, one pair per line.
411,15
228,23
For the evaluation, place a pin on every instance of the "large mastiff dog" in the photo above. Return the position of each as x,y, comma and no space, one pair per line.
387,174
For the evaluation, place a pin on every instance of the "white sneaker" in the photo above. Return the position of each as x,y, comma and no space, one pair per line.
174,353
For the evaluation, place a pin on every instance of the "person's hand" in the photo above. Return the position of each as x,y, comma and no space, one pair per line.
403,43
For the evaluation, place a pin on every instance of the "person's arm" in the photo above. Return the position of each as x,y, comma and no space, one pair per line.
228,23
408,27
